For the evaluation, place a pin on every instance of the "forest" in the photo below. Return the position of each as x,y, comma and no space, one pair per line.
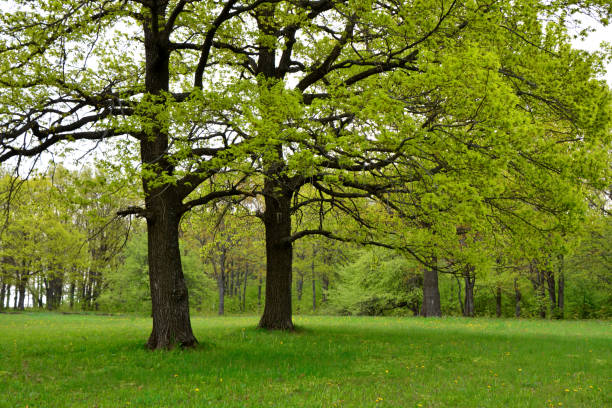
65,248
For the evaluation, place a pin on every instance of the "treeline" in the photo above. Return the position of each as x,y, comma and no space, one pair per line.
63,247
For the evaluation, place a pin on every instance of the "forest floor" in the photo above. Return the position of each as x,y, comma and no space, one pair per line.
55,360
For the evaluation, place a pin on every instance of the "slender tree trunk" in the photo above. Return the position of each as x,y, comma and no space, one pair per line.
2,294
260,284
279,254
314,280
220,275
16,298
461,308
549,275
299,286
22,291
221,288
498,301
324,288
517,299
71,295
561,295
470,280
431,293
244,287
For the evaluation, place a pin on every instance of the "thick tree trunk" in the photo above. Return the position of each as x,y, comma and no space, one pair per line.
163,203
279,255
431,293
517,299
470,280
498,301
170,301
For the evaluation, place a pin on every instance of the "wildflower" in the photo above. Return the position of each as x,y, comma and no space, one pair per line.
175,375
197,390
387,371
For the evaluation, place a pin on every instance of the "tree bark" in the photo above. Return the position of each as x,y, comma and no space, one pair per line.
561,295
517,299
498,301
470,280
244,287
22,291
279,254
314,284
169,297
431,293
324,287
299,286
163,203
221,290
461,308
260,284
2,294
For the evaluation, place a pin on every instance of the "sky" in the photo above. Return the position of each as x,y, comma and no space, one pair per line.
594,40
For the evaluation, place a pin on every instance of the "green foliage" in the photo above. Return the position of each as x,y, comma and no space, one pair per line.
127,287
377,282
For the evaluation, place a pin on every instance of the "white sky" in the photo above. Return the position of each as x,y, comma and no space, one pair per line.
594,42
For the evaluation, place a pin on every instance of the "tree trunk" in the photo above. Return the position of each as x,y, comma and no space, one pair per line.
299,286
22,291
169,297
2,294
461,308
314,284
470,280
163,203
244,287
498,301
259,290
221,287
552,292
431,293
561,295
517,299
279,255
324,287
71,295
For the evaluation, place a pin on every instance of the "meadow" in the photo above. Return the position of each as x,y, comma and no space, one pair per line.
55,360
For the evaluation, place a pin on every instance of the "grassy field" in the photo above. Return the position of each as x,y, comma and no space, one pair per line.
52,360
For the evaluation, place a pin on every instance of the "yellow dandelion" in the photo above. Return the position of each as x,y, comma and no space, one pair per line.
175,375
387,371
566,390
520,369
197,390
220,379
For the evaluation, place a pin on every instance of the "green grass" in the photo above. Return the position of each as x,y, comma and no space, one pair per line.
52,360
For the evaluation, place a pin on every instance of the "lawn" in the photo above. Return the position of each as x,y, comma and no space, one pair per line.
54,360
